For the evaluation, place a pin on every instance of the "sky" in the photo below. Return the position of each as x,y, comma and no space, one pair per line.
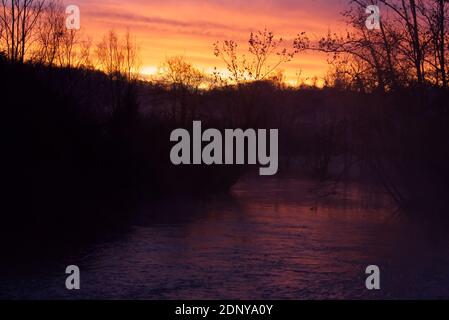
165,28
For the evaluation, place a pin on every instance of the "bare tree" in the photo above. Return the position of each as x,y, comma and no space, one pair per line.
85,54
182,79
264,56
2,30
435,16
409,48
131,57
18,19
67,55
118,58
50,30
110,55
424,24
176,71
441,38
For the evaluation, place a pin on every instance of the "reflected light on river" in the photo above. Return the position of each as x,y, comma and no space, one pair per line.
270,239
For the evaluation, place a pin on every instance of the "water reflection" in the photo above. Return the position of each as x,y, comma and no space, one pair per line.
271,239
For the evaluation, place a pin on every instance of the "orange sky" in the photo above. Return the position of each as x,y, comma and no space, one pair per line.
166,28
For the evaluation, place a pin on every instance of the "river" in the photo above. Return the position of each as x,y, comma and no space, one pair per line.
271,238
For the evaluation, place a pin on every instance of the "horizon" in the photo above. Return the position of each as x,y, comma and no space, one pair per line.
164,29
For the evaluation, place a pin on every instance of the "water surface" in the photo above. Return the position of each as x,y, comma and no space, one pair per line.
272,238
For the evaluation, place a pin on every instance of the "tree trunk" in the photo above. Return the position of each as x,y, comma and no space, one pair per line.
416,43
442,42
13,29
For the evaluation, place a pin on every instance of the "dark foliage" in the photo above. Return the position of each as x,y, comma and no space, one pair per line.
72,164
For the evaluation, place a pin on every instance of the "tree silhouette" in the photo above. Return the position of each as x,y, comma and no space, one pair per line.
184,81
18,20
264,56
409,49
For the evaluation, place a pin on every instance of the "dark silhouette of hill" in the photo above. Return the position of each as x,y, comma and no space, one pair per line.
76,157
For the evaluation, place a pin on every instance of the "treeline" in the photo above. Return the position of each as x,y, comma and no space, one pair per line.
35,31
410,49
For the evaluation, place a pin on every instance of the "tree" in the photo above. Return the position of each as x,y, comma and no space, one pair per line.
410,47
18,20
110,55
264,57
50,31
424,28
435,17
177,72
118,58
182,79
67,55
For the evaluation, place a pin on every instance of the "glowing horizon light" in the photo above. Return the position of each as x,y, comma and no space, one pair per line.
149,71
180,28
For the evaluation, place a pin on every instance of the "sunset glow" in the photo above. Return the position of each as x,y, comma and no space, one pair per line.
189,28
